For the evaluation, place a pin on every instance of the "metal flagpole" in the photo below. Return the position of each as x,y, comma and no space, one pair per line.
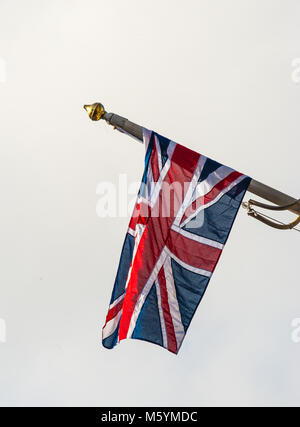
96,111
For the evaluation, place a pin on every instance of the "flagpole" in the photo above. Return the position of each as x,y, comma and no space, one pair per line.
96,112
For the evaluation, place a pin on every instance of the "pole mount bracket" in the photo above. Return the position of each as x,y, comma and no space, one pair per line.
271,222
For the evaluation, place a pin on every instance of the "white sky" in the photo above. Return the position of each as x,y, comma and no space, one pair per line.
213,75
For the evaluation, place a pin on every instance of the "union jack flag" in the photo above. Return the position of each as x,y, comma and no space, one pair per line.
183,215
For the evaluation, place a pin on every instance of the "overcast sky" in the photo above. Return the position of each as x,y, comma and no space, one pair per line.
217,76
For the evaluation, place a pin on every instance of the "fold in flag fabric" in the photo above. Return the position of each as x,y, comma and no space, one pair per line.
183,215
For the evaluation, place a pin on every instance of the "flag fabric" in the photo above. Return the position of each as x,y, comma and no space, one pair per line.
183,215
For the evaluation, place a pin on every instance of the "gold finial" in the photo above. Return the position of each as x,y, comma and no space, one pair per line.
95,111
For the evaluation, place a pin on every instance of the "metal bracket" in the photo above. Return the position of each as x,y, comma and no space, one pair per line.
271,222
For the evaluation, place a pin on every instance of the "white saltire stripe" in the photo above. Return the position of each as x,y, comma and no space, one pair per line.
116,301
111,325
212,202
190,191
173,303
161,315
211,181
145,291
131,231
205,186
157,144
153,188
197,238
187,266
163,174
150,185
144,200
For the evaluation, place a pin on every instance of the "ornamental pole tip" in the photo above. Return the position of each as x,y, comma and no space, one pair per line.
95,111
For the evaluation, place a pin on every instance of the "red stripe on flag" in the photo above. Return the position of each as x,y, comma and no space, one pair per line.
187,159
114,311
192,252
154,164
